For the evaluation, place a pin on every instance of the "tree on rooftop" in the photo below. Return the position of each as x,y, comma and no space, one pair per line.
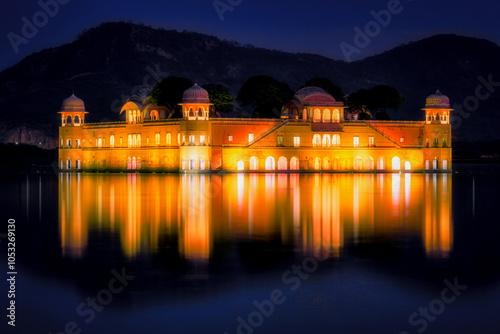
266,95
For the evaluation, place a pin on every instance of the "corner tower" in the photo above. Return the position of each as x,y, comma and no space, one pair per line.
437,109
72,111
195,103
195,134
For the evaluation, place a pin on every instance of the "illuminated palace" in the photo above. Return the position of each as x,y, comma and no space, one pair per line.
312,135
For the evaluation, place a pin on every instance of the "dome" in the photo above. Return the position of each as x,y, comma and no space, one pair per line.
437,100
195,94
73,103
315,96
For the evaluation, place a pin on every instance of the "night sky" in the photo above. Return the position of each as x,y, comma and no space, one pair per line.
311,26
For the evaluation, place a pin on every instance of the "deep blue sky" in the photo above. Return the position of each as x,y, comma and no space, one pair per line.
312,26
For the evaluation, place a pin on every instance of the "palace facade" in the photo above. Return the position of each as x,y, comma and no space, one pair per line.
311,135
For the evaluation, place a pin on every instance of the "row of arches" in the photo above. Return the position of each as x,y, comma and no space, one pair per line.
326,116
326,140
134,163
70,120
327,163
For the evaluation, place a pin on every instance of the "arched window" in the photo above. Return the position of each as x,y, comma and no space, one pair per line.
240,165
396,163
317,164
426,164
191,112
327,116
139,163
369,163
112,141
129,163
154,115
336,116
335,140
326,163
294,163
200,113
68,120
68,164
77,119
99,142
407,165
282,163
254,163
358,163
317,115
304,113
445,164
316,140
134,163
326,140
169,139
336,163
270,164
435,164
381,163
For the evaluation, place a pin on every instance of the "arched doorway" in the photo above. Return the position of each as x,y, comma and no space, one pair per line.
326,163
254,163
240,165
396,163
358,163
270,163
294,163
282,163
317,164
407,165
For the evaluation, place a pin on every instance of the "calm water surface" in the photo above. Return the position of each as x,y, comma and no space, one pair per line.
255,253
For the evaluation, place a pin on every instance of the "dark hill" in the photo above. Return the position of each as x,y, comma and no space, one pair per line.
106,64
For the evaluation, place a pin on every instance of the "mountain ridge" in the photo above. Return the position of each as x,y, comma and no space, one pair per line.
106,64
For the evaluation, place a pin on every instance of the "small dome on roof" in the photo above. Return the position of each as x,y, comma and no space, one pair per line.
314,96
73,103
195,94
437,100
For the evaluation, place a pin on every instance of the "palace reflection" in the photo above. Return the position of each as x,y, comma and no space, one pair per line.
306,211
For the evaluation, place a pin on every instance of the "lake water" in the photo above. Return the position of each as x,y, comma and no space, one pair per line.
254,253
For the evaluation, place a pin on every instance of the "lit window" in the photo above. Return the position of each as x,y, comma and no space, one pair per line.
191,139
355,141
78,143
178,138
138,140
169,139
129,140
371,141
62,143
402,139
435,142
296,141
68,143
121,141
157,139
280,141
250,137
202,140
112,141
316,140
445,142
183,140
230,138
147,141
335,140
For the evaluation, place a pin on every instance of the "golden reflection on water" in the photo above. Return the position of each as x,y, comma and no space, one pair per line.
310,212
